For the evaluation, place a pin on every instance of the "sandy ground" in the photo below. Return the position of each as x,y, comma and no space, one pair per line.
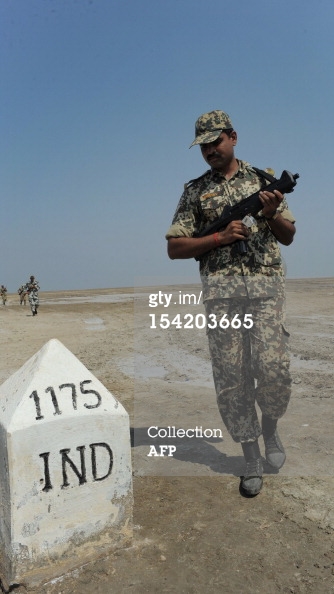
193,532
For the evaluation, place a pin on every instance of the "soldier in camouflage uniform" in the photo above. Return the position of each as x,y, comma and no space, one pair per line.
32,288
22,291
240,284
3,293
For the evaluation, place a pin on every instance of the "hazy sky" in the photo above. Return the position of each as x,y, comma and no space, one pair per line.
98,102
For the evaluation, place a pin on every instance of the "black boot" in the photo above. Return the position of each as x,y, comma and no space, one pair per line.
251,483
275,454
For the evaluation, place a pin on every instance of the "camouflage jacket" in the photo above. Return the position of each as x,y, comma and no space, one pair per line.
32,287
225,272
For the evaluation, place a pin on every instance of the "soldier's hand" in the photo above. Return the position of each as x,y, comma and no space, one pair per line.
234,231
271,202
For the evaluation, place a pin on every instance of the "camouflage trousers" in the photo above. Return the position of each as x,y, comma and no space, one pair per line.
249,365
33,299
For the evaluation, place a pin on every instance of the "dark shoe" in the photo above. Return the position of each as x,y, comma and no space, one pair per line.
275,454
251,483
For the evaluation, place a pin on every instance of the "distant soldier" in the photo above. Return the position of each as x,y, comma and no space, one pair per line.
32,288
22,291
3,293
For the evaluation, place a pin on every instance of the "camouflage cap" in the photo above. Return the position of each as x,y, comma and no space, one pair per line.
210,125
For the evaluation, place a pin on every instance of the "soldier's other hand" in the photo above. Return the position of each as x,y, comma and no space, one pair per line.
235,231
271,202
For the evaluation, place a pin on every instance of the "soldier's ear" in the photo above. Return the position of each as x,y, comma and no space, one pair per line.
234,137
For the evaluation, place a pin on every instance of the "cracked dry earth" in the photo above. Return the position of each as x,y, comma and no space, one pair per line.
193,532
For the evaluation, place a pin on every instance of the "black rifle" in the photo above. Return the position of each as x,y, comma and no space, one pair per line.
250,206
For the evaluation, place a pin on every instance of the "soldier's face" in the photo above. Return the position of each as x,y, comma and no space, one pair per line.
219,154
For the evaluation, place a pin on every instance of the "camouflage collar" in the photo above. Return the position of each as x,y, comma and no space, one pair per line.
243,168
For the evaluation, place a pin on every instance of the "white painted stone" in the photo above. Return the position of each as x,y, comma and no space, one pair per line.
65,468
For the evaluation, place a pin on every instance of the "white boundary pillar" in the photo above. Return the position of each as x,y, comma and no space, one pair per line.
65,469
